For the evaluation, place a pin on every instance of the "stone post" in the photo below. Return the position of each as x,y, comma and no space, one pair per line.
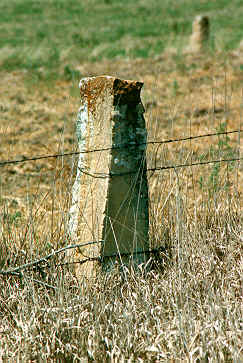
110,193
200,34
238,52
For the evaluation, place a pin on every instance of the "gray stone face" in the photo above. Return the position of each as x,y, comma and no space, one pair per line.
110,193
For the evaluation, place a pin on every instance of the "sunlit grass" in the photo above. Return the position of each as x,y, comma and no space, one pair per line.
49,35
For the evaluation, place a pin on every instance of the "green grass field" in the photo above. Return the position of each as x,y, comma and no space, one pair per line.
189,307
50,35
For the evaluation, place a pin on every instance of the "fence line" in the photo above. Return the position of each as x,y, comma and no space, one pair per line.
189,138
118,211
103,175
45,258
37,263
18,271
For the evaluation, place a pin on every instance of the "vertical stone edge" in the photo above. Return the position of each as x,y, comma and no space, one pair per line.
128,228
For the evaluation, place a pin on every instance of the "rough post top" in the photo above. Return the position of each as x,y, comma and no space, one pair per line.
122,91
202,20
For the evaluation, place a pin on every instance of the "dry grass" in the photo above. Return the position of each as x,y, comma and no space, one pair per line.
189,307
189,311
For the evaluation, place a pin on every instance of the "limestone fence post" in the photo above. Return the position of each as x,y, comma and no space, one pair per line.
110,192
200,34
238,52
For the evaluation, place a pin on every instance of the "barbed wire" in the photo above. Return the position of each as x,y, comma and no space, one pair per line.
36,158
18,271
194,164
45,258
157,168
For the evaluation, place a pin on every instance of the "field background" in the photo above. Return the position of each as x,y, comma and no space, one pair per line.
189,308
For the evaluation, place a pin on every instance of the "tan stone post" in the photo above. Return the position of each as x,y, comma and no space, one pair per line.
110,193
200,34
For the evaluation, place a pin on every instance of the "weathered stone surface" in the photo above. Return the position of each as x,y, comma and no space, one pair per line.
200,34
238,52
110,193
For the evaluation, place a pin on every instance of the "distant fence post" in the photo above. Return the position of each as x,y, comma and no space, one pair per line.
200,34
110,193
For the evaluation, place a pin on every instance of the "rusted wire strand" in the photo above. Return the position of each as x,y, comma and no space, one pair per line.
17,271
45,258
36,158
